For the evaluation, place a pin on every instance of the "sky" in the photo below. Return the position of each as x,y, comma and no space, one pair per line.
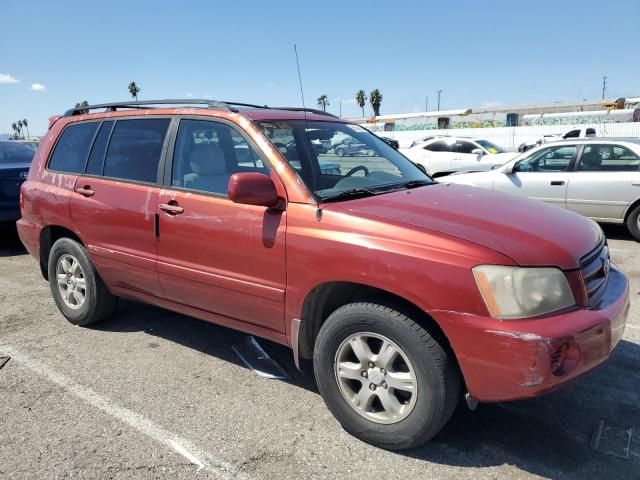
56,53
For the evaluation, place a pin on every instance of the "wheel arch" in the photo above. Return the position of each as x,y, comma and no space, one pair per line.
326,298
48,236
630,209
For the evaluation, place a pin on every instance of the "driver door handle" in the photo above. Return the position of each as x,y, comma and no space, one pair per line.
557,182
85,191
171,209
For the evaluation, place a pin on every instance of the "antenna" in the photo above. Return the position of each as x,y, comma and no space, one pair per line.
295,49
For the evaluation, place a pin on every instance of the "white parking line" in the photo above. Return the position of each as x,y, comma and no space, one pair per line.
218,467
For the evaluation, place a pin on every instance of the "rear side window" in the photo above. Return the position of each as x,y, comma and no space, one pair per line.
135,148
440,146
72,148
608,158
96,157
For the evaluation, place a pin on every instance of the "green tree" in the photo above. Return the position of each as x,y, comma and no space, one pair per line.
323,101
134,90
26,125
83,103
361,100
375,98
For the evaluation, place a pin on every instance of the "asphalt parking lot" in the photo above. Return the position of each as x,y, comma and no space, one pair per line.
153,394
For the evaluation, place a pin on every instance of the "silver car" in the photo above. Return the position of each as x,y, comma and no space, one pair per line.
597,177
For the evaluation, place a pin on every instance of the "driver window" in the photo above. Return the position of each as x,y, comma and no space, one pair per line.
552,159
464,147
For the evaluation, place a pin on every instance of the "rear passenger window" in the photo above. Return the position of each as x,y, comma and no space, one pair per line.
96,157
72,148
208,153
441,146
135,148
608,158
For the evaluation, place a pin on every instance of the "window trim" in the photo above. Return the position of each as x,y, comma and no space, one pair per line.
93,144
167,179
55,145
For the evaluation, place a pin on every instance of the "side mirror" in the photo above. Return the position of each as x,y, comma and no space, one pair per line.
253,189
477,151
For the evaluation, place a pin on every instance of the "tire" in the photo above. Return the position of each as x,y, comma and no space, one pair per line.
436,378
633,223
85,306
340,152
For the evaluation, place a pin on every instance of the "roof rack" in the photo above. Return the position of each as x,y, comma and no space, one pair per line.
208,103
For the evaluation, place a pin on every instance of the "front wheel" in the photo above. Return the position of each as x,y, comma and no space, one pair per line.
340,152
633,223
384,377
77,289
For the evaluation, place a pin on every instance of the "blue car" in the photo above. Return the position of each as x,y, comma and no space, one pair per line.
15,160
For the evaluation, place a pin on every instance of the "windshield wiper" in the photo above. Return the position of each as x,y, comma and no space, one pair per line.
353,193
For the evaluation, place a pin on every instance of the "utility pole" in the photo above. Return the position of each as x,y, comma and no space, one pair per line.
426,104
604,85
439,93
340,108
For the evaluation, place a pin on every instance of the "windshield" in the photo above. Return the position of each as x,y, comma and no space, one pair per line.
490,147
335,158
13,152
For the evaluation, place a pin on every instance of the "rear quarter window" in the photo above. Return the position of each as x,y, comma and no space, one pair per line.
72,148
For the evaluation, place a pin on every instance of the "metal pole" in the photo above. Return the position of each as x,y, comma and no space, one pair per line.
604,85
426,104
340,108
439,93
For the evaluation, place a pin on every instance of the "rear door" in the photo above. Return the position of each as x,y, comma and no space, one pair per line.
543,175
115,200
213,254
605,182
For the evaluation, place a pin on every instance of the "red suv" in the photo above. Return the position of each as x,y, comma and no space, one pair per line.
406,293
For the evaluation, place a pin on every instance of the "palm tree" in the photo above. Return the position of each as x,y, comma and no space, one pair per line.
20,128
134,90
26,125
375,98
323,101
14,125
361,100
83,103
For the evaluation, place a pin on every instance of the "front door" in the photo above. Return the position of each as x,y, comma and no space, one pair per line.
213,254
606,181
115,200
543,175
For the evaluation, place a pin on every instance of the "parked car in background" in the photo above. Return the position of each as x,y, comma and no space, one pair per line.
596,177
391,141
15,160
350,146
439,156
586,132
406,293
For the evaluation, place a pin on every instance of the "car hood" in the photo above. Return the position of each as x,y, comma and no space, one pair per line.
527,231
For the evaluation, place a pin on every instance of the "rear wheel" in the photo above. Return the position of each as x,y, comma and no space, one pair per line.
633,223
77,289
340,152
384,377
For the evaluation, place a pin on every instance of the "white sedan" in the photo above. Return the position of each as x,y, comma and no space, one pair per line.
597,177
442,155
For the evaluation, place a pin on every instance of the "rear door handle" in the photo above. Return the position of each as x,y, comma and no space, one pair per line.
557,182
171,209
85,191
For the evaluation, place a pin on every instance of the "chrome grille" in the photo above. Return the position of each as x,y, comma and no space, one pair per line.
595,267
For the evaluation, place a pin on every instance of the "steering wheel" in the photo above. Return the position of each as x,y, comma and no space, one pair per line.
357,169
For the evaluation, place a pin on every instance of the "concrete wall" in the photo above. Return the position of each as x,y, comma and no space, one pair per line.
510,137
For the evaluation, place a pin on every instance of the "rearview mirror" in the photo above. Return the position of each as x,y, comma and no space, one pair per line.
477,151
250,188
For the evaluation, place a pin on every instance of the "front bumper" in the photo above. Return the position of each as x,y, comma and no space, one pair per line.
515,359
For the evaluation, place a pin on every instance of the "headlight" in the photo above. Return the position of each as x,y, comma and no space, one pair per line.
515,292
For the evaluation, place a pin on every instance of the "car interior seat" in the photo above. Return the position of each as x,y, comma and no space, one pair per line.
209,169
